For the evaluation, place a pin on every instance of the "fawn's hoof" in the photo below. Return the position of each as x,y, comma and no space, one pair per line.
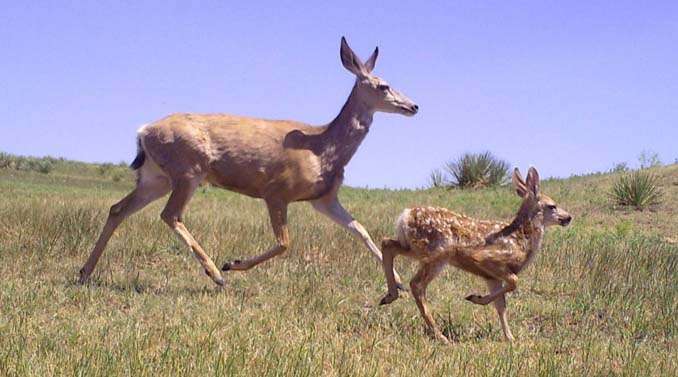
402,288
229,265
389,298
220,282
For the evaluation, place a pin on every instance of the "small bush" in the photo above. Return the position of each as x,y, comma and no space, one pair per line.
475,170
42,166
638,189
105,168
649,159
620,167
437,178
6,160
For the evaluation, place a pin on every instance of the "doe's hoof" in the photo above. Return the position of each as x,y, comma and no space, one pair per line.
402,288
476,299
443,339
220,282
229,265
389,298
83,276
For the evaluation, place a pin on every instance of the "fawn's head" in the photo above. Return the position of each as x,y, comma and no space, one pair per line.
371,89
535,203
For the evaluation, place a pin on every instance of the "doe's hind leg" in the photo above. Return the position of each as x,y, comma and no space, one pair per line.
181,194
148,189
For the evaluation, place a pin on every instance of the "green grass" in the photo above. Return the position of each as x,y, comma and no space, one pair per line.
600,299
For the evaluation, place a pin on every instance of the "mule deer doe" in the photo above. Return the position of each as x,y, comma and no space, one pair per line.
278,161
493,250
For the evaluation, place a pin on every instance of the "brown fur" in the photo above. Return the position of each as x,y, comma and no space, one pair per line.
494,250
278,161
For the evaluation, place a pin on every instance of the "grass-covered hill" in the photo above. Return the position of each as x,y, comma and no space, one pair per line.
601,297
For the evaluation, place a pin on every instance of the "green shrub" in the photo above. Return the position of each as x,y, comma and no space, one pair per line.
619,167
638,189
437,178
6,160
42,166
105,168
649,159
475,170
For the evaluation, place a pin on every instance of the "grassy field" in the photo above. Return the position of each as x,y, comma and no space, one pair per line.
600,299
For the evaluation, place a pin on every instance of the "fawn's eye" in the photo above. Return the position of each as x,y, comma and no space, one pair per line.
382,87
551,206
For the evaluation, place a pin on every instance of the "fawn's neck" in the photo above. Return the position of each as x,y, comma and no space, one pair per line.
532,234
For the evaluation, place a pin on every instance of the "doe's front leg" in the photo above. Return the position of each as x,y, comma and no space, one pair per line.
332,208
278,214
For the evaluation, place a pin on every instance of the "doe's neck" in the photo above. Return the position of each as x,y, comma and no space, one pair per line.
355,114
347,131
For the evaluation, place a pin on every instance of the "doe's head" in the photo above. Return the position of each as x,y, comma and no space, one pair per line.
536,203
371,89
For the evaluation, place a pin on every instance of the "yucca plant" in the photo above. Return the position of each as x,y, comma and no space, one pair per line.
638,189
475,170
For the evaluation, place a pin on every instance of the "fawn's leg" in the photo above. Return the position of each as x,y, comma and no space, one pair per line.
278,214
182,192
511,281
332,208
147,190
500,305
418,285
390,248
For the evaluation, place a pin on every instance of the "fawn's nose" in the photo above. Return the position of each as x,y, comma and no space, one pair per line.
566,220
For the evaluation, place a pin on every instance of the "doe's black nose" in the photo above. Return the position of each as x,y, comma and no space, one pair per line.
416,107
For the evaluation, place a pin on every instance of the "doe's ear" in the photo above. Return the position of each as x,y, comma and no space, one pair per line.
518,183
369,64
350,60
533,180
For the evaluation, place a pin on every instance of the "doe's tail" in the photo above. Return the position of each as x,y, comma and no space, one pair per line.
140,158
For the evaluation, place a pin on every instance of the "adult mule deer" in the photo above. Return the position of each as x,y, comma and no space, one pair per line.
493,250
278,161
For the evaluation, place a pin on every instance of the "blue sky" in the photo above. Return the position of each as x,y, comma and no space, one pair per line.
570,87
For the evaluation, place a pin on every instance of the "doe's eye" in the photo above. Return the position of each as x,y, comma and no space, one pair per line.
382,87
551,206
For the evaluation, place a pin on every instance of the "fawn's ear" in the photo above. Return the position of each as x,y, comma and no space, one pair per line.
533,181
518,183
350,61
